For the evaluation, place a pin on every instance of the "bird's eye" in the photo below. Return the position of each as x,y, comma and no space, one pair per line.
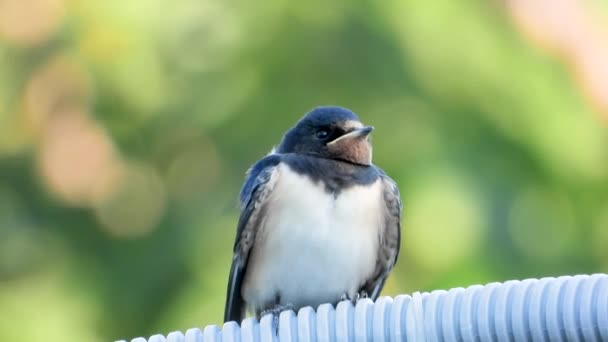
322,134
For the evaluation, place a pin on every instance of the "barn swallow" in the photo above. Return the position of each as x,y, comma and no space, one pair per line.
319,221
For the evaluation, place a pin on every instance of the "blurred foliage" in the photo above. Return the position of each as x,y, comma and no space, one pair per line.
126,128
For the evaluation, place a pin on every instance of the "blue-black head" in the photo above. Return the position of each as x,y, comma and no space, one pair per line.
330,132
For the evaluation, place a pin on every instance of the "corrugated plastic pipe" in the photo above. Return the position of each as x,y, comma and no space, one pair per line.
548,309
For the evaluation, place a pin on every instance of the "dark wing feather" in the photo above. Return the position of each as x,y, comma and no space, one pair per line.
254,194
390,238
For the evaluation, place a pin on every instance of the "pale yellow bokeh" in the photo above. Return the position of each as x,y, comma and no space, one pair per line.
212,32
47,308
117,42
443,222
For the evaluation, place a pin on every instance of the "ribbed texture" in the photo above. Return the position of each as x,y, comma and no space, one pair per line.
549,309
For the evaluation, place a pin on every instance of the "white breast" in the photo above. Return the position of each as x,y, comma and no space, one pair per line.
313,247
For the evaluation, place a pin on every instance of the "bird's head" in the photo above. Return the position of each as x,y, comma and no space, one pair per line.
330,132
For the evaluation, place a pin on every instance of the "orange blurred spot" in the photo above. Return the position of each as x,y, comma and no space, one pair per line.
29,22
592,71
76,159
569,28
60,83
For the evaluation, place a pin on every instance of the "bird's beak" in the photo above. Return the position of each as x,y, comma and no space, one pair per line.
354,134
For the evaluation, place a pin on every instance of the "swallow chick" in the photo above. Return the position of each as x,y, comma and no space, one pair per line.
319,221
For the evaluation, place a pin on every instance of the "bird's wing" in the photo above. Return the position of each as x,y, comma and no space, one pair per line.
253,197
389,237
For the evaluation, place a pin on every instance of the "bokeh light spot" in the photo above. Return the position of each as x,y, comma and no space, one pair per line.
193,171
542,223
443,222
76,156
209,31
29,22
40,307
575,31
136,205
59,83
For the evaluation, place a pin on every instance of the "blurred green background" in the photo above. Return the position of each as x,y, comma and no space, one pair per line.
126,128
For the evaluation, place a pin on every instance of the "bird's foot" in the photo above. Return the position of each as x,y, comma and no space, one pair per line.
355,298
276,312
277,309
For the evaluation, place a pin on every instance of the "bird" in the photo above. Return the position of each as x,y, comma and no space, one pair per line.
319,222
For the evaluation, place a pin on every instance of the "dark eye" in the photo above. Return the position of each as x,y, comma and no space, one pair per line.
322,134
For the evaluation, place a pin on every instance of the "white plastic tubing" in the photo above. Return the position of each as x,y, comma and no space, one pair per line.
548,309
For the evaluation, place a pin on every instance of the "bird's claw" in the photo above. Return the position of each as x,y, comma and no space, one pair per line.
358,296
276,312
277,309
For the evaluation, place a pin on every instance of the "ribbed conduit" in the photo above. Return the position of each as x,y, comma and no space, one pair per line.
548,309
